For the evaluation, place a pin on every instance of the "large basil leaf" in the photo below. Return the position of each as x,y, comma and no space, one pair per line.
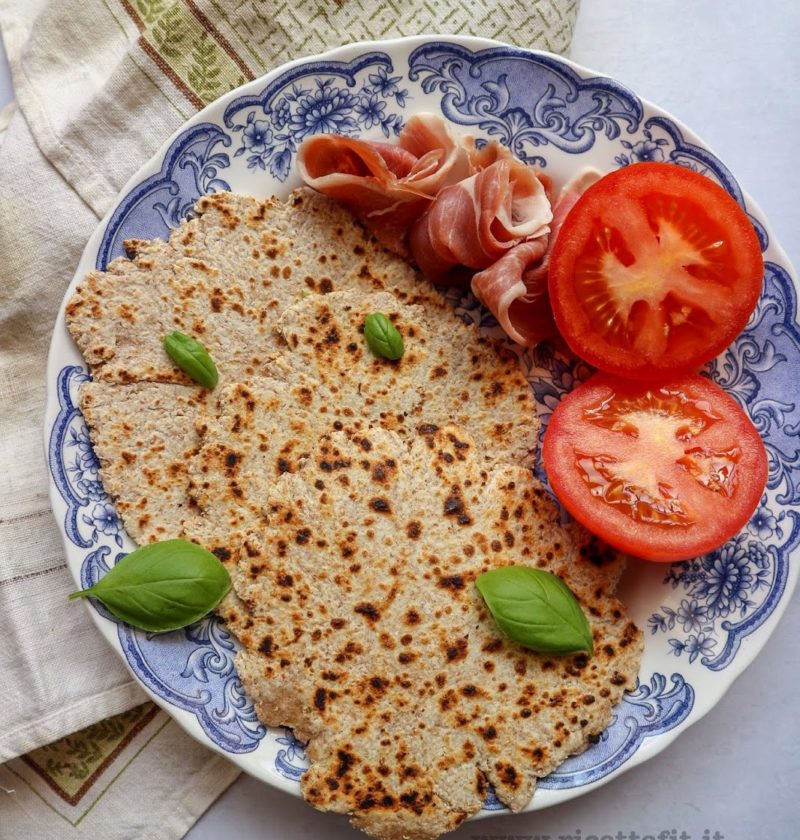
536,609
192,358
163,586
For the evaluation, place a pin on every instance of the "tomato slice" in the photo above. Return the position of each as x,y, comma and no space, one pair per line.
662,472
655,271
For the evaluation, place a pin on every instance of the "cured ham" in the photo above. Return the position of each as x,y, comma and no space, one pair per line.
474,222
571,192
454,208
441,158
398,161
374,181
387,186
514,288
486,155
517,300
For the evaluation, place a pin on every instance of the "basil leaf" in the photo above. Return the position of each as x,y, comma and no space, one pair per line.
382,337
536,609
163,586
192,358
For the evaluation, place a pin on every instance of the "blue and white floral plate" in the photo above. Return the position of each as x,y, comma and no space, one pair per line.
705,619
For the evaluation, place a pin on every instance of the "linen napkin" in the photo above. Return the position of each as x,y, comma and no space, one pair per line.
100,85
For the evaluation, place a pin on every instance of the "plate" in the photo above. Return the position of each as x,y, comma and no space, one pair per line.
705,619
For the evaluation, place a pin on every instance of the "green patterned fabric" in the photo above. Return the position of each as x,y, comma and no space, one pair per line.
210,44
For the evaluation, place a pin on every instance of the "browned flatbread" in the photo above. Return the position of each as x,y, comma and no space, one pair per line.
144,437
354,500
327,380
364,631
448,374
222,449
225,277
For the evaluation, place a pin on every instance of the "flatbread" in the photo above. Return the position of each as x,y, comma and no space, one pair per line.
364,631
218,451
224,277
144,438
448,374
353,500
327,380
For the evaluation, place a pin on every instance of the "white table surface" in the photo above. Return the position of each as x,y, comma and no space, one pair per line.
731,71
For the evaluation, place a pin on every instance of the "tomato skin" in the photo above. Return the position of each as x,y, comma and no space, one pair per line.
631,429
655,271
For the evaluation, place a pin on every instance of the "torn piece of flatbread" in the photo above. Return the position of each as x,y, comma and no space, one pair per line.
224,277
448,373
364,631
144,438
220,450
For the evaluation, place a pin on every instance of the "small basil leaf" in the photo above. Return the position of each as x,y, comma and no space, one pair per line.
163,586
536,609
382,337
192,358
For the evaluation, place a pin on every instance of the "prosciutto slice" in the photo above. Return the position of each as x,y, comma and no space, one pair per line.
516,296
441,158
453,208
374,181
514,288
571,192
384,185
474,222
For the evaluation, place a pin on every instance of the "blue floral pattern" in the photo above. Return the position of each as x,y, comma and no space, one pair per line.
728,593
764,523
757,370
352,99
193,669
104,520
524,100
550,115
642,151
76,470
190,168
291,760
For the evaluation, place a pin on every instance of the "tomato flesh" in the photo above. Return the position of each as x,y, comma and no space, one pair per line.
654,272
663,472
